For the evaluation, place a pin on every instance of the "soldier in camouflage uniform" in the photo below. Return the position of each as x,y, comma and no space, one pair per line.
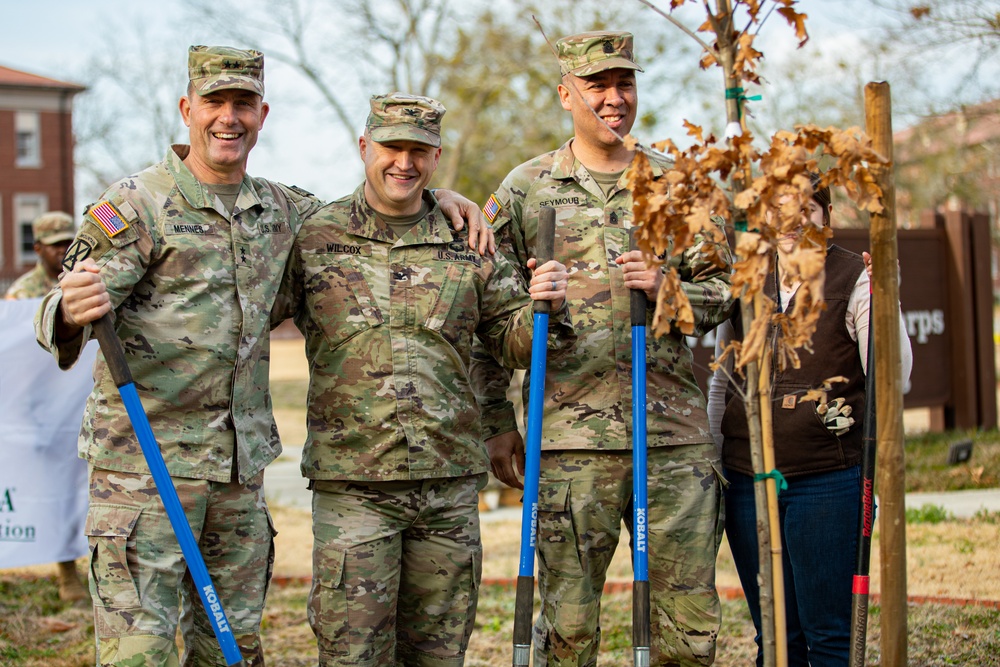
390,300
586,467
52,232
185,253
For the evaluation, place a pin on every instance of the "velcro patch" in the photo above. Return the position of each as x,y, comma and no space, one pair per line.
492,208
348,249
187,228
272,228
108,218
459,251
77,252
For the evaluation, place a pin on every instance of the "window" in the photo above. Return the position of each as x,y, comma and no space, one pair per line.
27,208
28,137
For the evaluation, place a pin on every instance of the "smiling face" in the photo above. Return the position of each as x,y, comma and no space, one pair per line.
612,95
223,127
396,173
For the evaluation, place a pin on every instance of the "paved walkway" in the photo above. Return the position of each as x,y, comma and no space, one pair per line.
286,487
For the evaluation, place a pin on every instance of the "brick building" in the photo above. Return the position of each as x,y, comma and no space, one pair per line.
36,161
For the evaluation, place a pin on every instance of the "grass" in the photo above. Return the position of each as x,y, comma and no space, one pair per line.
927,467
928,514
37,630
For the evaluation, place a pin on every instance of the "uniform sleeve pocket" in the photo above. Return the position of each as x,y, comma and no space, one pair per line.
438,317
110,534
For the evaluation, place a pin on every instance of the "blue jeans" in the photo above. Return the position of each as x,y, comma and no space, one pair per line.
819,526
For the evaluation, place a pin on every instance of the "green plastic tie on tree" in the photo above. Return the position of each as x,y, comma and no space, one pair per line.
779,479
738,94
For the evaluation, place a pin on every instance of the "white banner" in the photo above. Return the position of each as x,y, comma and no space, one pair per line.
43,484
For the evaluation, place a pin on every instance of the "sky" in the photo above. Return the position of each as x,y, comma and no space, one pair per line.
298,145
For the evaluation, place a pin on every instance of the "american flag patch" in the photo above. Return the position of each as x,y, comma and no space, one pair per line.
491,209
108,218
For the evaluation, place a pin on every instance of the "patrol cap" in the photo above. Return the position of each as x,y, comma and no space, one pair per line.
399,116
212,68
592,52
53,227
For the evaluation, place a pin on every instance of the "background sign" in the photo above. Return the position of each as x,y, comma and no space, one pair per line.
43,484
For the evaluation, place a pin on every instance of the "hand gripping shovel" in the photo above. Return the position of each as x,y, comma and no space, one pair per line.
525,596
115,358
640,553
859,597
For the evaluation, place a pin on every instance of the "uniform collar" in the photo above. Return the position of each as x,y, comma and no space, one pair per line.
566,166
364,222
195,192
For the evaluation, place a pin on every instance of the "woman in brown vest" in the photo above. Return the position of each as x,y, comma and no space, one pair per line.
819,455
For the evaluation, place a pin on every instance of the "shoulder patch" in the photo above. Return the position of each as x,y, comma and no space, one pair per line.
108,218
77,252
300,191
492,208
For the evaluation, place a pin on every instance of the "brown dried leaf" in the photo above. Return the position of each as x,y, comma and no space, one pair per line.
672,306
817,395
796,20
754,341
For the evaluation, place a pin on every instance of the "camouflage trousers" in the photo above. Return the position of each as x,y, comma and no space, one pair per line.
396,570
584,496
138,577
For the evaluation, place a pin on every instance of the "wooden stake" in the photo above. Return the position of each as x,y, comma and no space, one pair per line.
771,497
889,397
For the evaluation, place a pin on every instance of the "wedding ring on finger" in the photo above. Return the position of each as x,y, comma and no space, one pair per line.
554,286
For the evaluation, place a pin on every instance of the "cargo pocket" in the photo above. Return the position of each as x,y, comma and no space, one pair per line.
476,573
557,552
112,546
327,607
270,556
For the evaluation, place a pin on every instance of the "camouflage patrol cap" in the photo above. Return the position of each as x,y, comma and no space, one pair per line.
592,52
53,227
212,68
399,117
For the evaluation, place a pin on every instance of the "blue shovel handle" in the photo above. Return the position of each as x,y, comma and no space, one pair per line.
640,541
524,596
115,358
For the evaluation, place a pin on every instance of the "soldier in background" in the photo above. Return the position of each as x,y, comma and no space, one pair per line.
390,300
585,484
52,232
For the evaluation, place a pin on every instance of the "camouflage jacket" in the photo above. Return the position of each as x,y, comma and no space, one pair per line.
588,392
192,289
389,325
32,285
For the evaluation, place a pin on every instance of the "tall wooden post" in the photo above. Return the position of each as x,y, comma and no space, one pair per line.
889,398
